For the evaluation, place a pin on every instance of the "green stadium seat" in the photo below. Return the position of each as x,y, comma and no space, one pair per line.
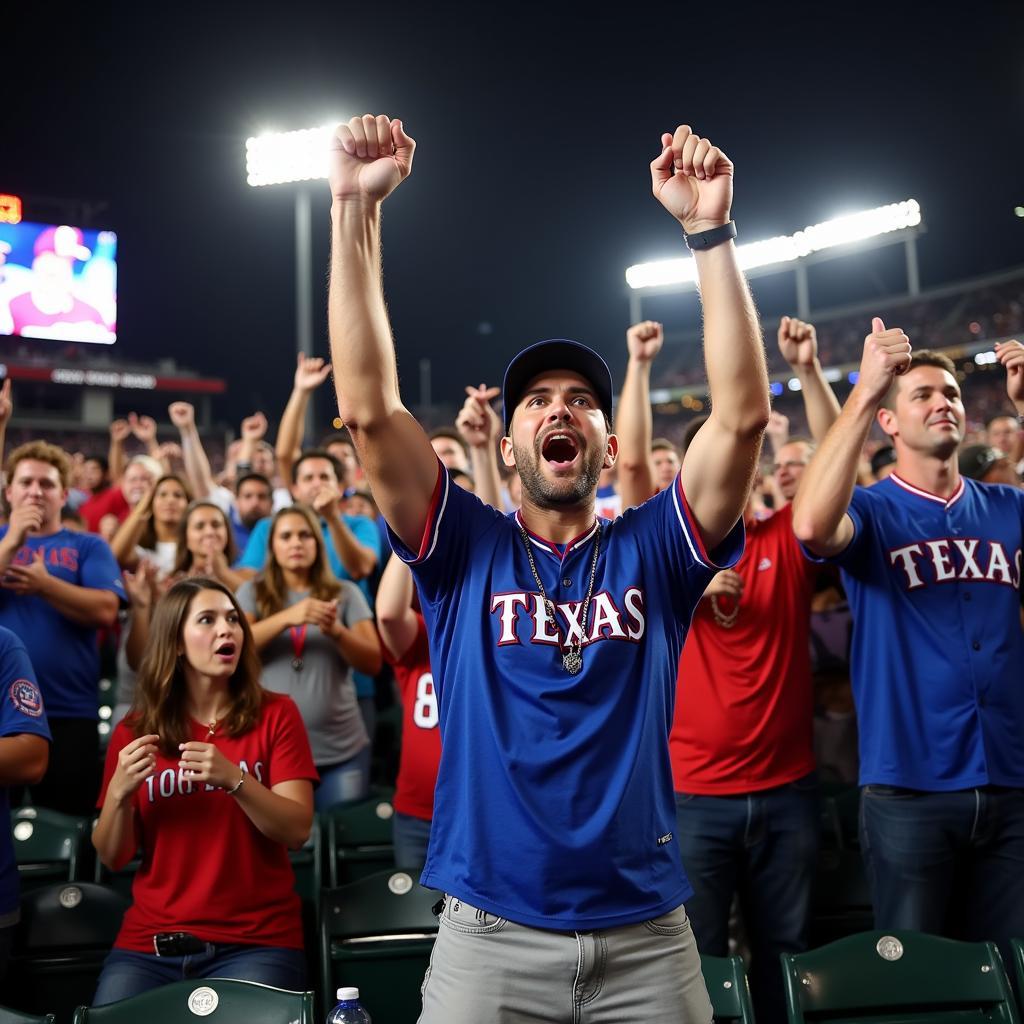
65,933
1017,946
359,838
211,999
898,978
728,989
377,934
48,846
15,1017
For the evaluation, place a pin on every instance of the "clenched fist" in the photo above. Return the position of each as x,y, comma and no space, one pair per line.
369,157
644,340
692,179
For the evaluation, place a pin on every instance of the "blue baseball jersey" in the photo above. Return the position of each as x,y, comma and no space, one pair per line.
63,653
21,711
934,590
554,804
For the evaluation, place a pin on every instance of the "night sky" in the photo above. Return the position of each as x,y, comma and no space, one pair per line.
530,192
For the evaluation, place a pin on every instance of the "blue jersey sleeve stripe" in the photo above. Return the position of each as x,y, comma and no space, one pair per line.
435,513
690,531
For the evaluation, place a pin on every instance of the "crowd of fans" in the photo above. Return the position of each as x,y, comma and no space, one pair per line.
217,582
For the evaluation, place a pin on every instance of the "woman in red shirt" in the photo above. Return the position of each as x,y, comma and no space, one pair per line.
210,776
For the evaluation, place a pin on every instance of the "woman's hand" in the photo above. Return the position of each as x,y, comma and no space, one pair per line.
203,762
135,763
313,612
142,586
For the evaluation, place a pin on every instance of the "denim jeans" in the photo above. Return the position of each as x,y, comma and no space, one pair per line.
488,969
762,847
947,863
343,783
410,836
126,973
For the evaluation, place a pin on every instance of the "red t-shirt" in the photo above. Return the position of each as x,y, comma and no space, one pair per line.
744,703
421,738
109,502
206,868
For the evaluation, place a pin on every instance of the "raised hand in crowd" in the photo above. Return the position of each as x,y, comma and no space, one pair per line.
798,344
310,373
1011,355
120,431
144,429
777,431
634,423
821,503
6,411
480,427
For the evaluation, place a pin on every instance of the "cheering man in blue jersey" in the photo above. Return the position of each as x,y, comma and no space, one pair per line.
931,562
554,635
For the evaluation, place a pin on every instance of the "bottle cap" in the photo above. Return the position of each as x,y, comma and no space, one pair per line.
346,995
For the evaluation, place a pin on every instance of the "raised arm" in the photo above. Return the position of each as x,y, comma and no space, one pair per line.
634,423
310,373
694,181
370,156
820,517
6,409
120,431
197,465
396,621
480,427
798,343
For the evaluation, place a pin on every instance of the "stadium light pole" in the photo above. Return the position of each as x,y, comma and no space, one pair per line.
884,225
281,158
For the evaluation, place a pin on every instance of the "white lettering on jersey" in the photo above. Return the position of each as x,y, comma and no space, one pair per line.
508,604
998,565
609,621
940,559
171,782
905,555
606,616
956,559
424,711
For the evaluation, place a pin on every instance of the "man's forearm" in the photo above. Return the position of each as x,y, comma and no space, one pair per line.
197,465
362,351
484,465
291,430
826,487
85,606
634,427
358,559
23,759
116,462
820,402
733,349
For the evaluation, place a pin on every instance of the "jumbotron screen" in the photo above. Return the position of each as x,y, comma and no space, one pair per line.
58,282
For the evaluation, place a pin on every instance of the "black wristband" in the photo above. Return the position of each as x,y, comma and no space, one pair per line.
701,240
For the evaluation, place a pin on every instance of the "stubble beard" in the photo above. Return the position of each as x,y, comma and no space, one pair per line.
546,494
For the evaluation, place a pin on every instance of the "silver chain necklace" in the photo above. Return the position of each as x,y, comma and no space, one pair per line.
572,650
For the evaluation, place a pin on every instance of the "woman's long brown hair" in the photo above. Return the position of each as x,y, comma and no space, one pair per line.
147,539
183,563
161,695
271,589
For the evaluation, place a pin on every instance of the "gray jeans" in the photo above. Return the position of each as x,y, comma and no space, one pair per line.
487,970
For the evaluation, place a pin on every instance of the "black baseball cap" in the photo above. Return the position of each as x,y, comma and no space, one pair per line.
555,354
977,459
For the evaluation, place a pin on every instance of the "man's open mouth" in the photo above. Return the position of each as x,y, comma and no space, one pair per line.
559,450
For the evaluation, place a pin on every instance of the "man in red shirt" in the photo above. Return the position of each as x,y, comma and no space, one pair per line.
404,639
741,743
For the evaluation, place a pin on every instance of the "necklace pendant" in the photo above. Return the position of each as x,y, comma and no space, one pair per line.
297,664
572,660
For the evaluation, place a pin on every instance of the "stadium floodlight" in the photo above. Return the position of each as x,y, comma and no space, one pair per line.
276,158
854,227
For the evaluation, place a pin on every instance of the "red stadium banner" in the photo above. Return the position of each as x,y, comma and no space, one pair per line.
121,379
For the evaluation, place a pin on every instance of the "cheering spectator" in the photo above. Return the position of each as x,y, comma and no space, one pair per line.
118,501
57,588
352,542
151,529
479,427
253,496
24,751
312,630
449,448
404,638
206,756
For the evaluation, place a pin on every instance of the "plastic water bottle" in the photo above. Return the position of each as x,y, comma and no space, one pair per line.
348,1009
